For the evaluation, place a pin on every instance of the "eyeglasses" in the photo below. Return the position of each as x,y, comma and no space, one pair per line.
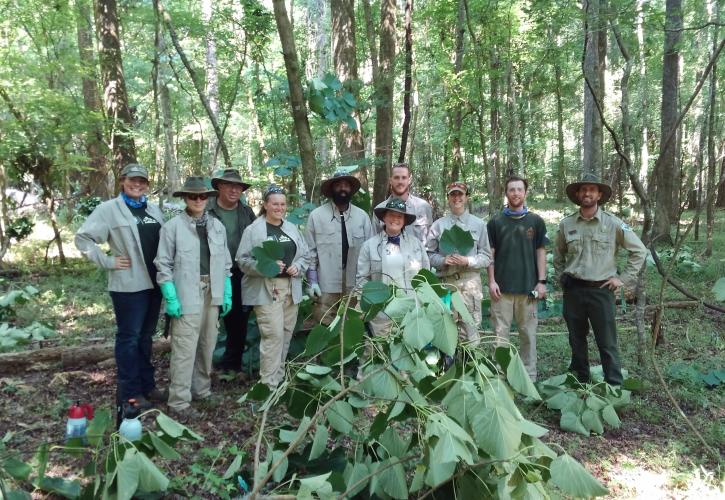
194,197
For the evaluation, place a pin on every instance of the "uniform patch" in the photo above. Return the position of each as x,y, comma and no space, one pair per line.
530,233
625,227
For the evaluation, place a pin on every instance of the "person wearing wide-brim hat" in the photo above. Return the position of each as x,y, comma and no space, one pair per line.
393,256
585,260
236,215
193,263
130,224
335,232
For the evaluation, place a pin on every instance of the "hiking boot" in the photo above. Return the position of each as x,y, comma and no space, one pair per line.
142,403
157,395
187,416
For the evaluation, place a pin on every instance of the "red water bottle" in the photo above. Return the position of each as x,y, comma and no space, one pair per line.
77,423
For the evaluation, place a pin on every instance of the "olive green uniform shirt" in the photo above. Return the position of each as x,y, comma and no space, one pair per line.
587,248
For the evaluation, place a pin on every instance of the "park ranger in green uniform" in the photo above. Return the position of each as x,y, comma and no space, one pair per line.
585,259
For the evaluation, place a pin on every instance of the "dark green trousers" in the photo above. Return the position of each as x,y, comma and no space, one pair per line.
596,306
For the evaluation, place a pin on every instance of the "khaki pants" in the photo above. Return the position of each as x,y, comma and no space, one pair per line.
193,337
523,309
471,290
276,325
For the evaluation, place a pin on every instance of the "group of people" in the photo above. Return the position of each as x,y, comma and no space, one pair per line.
202,262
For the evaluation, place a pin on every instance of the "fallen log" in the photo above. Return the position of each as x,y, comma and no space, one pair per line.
64,358
675,304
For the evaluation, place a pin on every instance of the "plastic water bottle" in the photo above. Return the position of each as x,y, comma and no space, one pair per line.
77,423
131,427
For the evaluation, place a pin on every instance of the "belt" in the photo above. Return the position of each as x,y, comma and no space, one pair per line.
586,283
460,276
204,278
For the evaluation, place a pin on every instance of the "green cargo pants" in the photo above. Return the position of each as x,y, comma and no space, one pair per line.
582,306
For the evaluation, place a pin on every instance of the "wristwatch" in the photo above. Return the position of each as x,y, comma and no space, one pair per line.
544,281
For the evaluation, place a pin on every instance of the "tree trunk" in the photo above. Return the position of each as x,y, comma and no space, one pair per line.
350,144
561,158
667,170
495,187
408,84
592,137
712,179
212,80
297,98
96,180
384,98
319,46
644,102
457,118
115,98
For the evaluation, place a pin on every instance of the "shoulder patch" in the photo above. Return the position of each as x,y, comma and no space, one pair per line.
625,227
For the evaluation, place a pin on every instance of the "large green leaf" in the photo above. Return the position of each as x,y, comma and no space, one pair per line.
267,255
235,466
127,475
591,421
319,443
418,329
17,469
461,309
439,472
98,427
392,479
341,417
571,421
162,447
497,432
150,478
575,480
392,444
718,290
399,306
281,469
375,292
317,340
174,429
610,416
354,473
382,384
445,332
64,487
519,379
455,240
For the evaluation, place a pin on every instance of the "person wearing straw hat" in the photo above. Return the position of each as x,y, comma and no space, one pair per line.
193,263
130,224
401,178
236,215
517,274
393,256
462,272
335,232
585,259
276,300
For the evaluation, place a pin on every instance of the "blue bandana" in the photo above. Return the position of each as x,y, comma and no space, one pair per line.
515,213
141,203
395,240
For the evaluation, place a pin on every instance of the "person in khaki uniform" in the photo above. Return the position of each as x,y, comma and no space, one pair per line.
517,274
335,233
130,225
401,179
585,259
236,216
462,272
193,263
393,256
275,300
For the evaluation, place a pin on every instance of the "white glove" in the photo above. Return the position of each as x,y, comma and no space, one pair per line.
314,290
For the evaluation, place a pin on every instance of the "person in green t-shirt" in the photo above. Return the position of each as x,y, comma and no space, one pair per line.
517,274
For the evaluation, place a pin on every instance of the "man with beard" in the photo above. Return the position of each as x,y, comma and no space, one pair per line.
235,215
517,274
462,272
400,181
585,259
335,232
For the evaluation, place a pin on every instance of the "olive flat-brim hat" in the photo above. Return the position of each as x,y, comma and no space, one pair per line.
195,185
395,205
326,187
228,175
135,170
605,189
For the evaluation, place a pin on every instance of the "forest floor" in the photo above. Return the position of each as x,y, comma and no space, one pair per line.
655,453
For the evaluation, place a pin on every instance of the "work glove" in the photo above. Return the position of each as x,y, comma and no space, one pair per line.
227,304
313,287
173,307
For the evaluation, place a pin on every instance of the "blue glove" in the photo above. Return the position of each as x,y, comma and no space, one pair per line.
173,307
227,304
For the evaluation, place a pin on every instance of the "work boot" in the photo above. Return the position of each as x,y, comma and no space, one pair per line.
157,395
187,416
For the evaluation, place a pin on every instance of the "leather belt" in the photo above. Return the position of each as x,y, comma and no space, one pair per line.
460,276
586,283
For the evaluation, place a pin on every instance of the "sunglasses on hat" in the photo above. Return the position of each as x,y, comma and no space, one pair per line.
194,197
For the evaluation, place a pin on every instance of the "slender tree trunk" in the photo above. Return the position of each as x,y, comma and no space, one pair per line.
561,157
495,187
592,137
115,98
457,118
667,165
319,46
350,144
384,95
712,178
408,83
96,183
644,101
212,80
297,98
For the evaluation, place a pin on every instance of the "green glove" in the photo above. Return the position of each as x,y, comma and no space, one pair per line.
227,304
173,307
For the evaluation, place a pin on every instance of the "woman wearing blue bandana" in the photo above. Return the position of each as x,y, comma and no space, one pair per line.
130,225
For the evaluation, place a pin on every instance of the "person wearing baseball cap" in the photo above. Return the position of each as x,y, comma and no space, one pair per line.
517,274
229,208
130,224
335,232
194,275
461,272
585,260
